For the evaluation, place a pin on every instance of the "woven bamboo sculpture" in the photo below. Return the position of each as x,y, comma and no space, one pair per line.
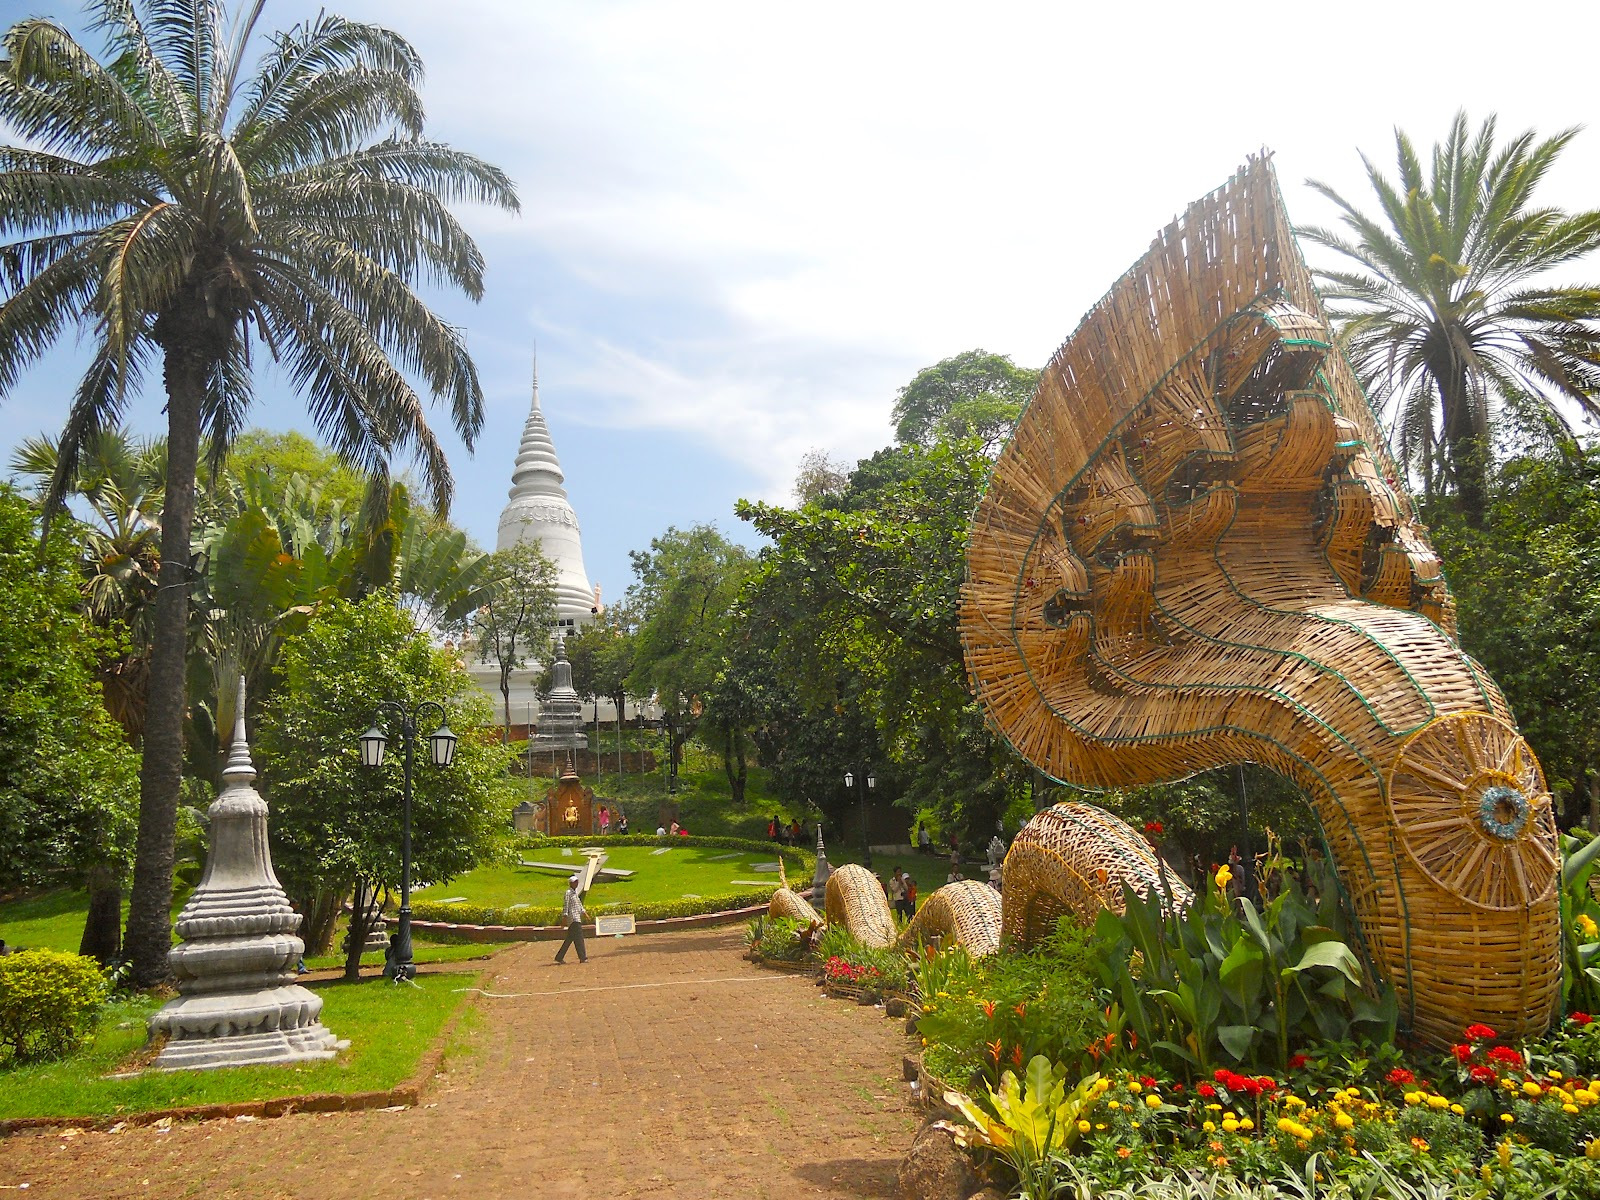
966,913
1075,859
1195,551
792,905
854,899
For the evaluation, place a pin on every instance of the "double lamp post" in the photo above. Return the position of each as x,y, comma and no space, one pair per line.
442,750
866,842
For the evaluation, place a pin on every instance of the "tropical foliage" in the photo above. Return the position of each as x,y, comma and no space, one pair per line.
1445,303
190,213
336,825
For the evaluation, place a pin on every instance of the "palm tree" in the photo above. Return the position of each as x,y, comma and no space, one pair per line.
1444,308
171,208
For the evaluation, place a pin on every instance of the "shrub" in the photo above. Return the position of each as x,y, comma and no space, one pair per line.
48,1002
785,940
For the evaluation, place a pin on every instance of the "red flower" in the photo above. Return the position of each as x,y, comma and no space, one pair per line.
1265,1083
1482,1074
1480,1033
1154,828
1580,1018
1400,1076
1016,1055
1021,1009
1505,1055
1146,1081
1297,1061
1463,1053
988,1008
1206,1090
995,1049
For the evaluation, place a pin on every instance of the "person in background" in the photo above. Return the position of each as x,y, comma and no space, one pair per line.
897,892
773,826
622,821
924,840
955,875
572,914
911,897
794,832
605,820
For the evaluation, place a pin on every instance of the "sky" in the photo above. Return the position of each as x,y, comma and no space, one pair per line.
745,226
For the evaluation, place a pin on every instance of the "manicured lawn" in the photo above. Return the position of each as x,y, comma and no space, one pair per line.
389,1029
54,920
929,870
681,871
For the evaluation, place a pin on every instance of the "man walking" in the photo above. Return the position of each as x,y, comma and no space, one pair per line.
572,914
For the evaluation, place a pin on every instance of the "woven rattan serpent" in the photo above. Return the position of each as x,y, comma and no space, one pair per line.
1196,551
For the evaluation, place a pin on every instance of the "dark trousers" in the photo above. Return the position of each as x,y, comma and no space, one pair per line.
574,938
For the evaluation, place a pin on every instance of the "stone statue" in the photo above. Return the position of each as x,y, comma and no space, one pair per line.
238,1002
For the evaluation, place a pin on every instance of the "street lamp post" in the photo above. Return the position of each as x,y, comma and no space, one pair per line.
442,751
871,782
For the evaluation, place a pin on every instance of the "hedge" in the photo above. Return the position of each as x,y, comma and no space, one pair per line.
654,910
800,864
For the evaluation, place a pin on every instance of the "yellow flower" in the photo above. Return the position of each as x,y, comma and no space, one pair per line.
1225,877
1213,1108
1100,1127
1083,1127
1438,1102
1209,1127
1487,1172
1230,1125
1344,1121
1294,1102
1152,1101
1591,1148
1420,1146
1503,1151
1246,1124
1113,1105
1413,1097
1554,1074
1135,1086
1458,1110
1507,1118
1569,1108
1586,925
1530,1088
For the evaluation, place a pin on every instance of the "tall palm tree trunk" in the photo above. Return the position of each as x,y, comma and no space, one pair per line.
149,935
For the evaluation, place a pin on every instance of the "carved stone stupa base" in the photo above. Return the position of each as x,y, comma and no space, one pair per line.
236,966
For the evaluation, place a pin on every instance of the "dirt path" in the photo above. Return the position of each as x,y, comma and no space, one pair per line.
666,1066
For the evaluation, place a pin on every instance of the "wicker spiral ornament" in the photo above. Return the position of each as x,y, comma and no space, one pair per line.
1196,550
1494,845
965,913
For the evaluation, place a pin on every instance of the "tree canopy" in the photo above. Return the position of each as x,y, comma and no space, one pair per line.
177,207
1446,307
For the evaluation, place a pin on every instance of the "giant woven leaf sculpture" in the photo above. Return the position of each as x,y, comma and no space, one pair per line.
1195,551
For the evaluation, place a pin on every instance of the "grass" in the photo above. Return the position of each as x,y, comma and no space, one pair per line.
389,1030
929,870
54,919
681,871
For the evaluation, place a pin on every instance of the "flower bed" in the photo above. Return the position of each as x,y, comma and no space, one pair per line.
479,914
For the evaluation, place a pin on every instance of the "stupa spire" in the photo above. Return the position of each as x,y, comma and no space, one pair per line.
538,511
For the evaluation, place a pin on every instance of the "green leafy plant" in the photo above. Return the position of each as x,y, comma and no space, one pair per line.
48,1003
1580,926
1228,981
1033,1122
785,940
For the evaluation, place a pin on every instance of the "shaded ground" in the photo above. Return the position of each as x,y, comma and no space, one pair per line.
666,1066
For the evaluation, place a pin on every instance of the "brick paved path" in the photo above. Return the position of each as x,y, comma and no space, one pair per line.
666,1066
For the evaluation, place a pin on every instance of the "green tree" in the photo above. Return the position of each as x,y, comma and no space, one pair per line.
684,593
335,825
972,395
67,774
518,612
602,655
1444,307
1527,586
859,595
183,210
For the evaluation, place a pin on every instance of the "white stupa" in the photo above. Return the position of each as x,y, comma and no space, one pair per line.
539,511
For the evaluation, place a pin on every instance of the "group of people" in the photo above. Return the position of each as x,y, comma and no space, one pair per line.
902,892
603,821
789,834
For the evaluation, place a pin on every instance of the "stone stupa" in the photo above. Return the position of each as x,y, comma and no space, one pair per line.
561,714
238,999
